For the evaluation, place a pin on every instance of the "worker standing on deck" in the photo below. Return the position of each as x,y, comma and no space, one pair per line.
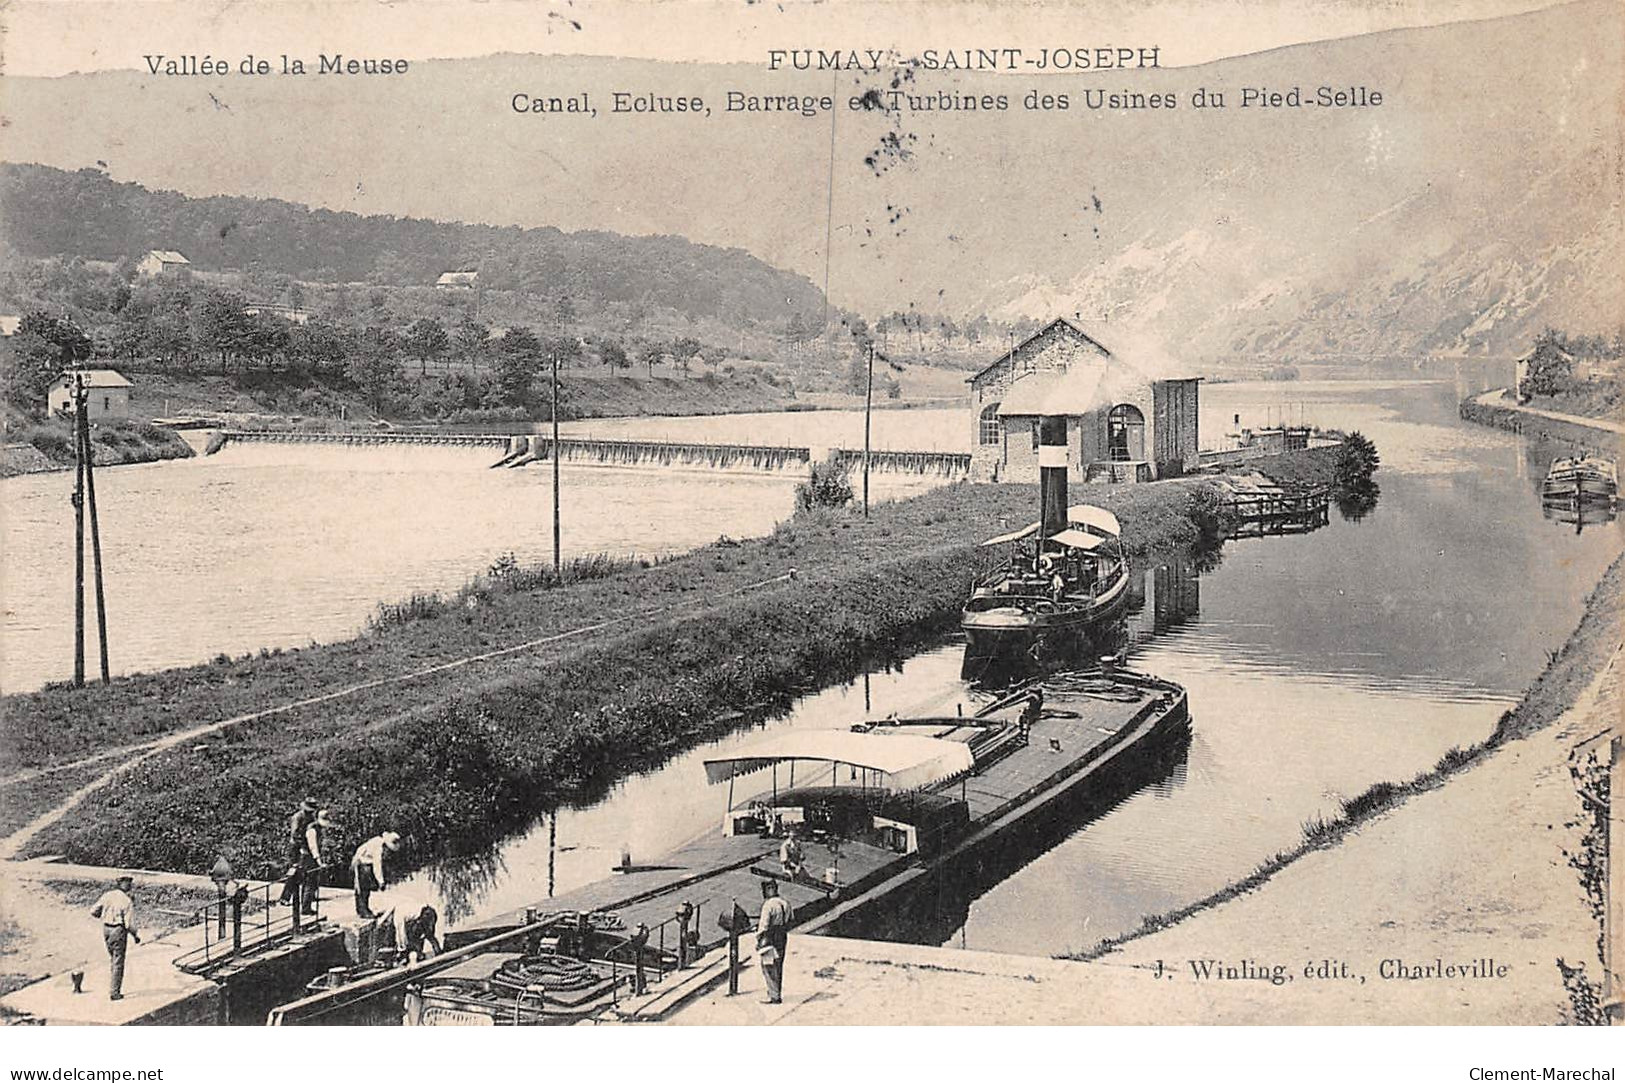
772,939
791,858
311,859
117,911
298,824
367,869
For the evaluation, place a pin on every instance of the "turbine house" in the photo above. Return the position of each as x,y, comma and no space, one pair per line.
1108,417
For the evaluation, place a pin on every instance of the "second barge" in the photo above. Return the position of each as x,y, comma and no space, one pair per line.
872,810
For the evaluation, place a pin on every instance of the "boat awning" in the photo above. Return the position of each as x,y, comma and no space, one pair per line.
905,761
1014,536
1098,519
1078,539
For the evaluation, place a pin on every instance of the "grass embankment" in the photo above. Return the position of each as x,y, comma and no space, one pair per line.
1568,673
113,442
647,661
1312,468
1505,417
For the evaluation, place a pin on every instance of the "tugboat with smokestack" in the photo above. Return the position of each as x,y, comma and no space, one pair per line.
1065,573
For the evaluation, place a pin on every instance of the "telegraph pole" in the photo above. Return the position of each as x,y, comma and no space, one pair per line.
95,535
868,403
558,564
78,531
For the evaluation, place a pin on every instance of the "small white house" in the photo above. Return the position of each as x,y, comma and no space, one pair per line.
109,393
457,280
161,261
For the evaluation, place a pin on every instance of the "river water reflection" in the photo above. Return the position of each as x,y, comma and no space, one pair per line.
1316,664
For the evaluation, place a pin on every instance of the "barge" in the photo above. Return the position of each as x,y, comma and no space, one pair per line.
873,809
1582,480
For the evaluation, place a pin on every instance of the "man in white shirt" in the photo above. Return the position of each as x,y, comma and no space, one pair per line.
367,869
117,911
772,937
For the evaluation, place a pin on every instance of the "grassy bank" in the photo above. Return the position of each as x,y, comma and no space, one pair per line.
1504,417
113,442
1570,670
618,673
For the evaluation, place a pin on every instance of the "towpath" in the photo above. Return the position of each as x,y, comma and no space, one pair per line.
131,756
1498,398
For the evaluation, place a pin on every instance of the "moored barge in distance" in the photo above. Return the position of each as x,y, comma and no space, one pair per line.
873,808
1581,480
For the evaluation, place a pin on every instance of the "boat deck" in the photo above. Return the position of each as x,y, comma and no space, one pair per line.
1079,723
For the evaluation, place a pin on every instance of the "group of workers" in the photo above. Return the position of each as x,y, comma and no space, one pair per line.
309,842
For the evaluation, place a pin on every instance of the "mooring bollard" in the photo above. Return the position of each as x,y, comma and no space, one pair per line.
237,920
685,914
639,939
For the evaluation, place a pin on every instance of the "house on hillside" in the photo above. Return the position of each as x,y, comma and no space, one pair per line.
284,312
109,393
161,261
457,280
1128,416
9,325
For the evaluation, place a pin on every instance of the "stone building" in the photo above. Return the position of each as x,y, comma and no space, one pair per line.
1123,423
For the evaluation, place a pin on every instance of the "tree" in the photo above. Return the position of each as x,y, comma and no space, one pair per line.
613,355
470,340
651,354
427,340
43,347
826,487
1551,366
373,365
519,359
685,350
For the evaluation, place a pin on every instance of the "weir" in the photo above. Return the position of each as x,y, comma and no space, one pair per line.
523,449
664,453
948,464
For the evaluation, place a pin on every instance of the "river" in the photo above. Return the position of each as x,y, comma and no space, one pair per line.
1316,664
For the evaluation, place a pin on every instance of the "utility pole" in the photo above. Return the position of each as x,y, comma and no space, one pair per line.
558,564
95,537
868,403
78,531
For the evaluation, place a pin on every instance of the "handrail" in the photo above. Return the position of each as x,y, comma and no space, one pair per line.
245,937
636,963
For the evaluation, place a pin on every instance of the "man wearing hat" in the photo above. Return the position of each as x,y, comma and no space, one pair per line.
367,869
117,911
311,861
772,937
298,826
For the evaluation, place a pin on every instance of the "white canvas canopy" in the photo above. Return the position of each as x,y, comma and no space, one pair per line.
1014,536
903,761
1078,539
1097,519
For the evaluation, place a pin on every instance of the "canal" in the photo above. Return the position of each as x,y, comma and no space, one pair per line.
1317,665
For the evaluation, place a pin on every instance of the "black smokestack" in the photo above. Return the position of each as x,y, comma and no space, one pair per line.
1052,474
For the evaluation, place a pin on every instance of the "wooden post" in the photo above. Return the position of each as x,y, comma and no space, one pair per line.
733,949
558,565
96,550
868,404
78,532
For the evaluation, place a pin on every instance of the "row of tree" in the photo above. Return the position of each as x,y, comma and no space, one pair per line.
191,326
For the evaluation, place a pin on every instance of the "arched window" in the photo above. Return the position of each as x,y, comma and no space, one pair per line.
992,429
1125,434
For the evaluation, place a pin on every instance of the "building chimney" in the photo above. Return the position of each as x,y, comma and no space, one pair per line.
1052,475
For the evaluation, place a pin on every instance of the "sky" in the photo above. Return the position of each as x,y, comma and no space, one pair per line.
58,37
